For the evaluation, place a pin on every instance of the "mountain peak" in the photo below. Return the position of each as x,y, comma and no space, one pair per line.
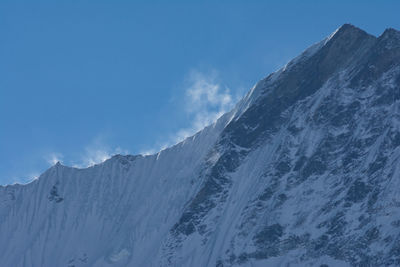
348,27
347,31
389,39
390,33
316,142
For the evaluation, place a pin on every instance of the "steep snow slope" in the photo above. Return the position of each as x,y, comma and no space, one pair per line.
103,215
303,172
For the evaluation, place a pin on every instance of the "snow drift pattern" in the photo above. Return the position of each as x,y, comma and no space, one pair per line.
302,172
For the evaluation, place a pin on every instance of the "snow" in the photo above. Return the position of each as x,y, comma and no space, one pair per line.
121,212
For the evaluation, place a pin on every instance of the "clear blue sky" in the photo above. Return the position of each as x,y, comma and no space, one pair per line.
80,80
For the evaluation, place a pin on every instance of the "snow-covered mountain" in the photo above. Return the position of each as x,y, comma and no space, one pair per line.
304,171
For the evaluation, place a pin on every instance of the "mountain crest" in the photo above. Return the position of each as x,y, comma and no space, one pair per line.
303,172
348,31
391,33
390,38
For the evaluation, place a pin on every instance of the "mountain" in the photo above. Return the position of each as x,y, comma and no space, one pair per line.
304,171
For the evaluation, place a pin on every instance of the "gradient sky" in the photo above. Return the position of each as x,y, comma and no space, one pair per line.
81,80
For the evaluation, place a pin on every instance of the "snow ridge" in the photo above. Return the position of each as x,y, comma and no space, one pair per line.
302,172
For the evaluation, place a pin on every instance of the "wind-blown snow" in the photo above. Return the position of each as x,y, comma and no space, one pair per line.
304,171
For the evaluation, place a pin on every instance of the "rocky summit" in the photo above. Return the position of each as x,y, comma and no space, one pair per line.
304,171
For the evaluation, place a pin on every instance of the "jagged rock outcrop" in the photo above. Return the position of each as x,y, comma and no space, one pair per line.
304,171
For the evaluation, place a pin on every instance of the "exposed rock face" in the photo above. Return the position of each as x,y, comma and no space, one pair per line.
304,171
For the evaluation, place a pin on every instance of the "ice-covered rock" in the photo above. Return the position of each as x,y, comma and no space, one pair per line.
304,171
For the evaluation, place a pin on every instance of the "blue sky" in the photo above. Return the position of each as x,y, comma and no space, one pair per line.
81,80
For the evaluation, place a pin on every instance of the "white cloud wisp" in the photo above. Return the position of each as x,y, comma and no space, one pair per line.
206,99
98,152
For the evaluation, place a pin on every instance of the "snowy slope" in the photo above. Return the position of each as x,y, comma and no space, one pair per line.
103,215
304,171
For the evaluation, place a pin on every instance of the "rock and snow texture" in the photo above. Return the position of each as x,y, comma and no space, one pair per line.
304,171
